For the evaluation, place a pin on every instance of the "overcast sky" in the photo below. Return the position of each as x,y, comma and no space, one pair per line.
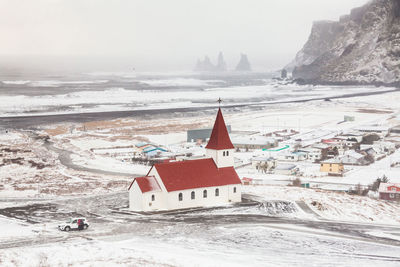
161,34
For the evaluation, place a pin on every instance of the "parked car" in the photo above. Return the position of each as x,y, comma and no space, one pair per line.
72,224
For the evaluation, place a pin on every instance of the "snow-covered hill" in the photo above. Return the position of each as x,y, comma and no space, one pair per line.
362,47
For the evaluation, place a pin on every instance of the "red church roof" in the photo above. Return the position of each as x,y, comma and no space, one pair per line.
219,138
146,184
181,175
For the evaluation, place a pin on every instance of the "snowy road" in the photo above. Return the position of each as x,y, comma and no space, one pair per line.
240,233
107,215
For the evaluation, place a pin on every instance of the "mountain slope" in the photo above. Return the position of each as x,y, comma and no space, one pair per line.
362,47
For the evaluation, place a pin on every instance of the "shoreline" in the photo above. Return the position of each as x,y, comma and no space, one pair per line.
31,121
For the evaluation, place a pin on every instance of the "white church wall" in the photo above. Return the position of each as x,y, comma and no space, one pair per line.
235,193
225,196
139,201
135,198
219,158
158,203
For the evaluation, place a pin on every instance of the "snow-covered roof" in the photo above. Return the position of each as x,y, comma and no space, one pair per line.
262,159
353,154
285,167
332,161
373,128
310,150
253,140
320,146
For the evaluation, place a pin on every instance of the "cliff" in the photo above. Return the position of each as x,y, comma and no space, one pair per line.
362,47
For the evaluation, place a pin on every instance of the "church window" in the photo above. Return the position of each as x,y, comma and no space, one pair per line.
227,153
153,197
180,197
193,195
234,189
223,153
216,192
205,194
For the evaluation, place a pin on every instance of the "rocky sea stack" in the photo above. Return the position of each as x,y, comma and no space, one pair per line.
207,66
361,48
244,64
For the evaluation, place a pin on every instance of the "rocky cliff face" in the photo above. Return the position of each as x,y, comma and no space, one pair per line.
362,47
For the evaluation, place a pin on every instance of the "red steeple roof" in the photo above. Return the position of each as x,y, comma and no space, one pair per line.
219,136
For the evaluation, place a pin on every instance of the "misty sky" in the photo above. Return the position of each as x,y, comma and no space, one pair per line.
160,34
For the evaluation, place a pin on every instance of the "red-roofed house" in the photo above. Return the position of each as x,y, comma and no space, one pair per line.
389,191
210,181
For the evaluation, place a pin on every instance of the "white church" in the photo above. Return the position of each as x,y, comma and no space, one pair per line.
211,181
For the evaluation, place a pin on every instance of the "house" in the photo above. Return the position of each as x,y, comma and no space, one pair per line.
312,154
186,184
143,145
384,147
196,135
370,151
286,169
254,142
333,142
332,167
384,130
247,181
323,148
293,156
153,151
389,191
351,157
352,136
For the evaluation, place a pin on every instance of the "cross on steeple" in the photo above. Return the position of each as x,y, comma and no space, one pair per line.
219,101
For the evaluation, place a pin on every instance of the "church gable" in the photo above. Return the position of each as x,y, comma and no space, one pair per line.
147,184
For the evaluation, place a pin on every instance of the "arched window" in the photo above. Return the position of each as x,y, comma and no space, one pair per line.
223,153
153,197
205,194
192,195
180,197
234,189
216,192
227,153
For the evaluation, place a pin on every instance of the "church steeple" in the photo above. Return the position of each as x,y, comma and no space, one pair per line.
220,147
219,138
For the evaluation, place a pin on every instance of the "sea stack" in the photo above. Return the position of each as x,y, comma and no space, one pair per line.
244,64
221,64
